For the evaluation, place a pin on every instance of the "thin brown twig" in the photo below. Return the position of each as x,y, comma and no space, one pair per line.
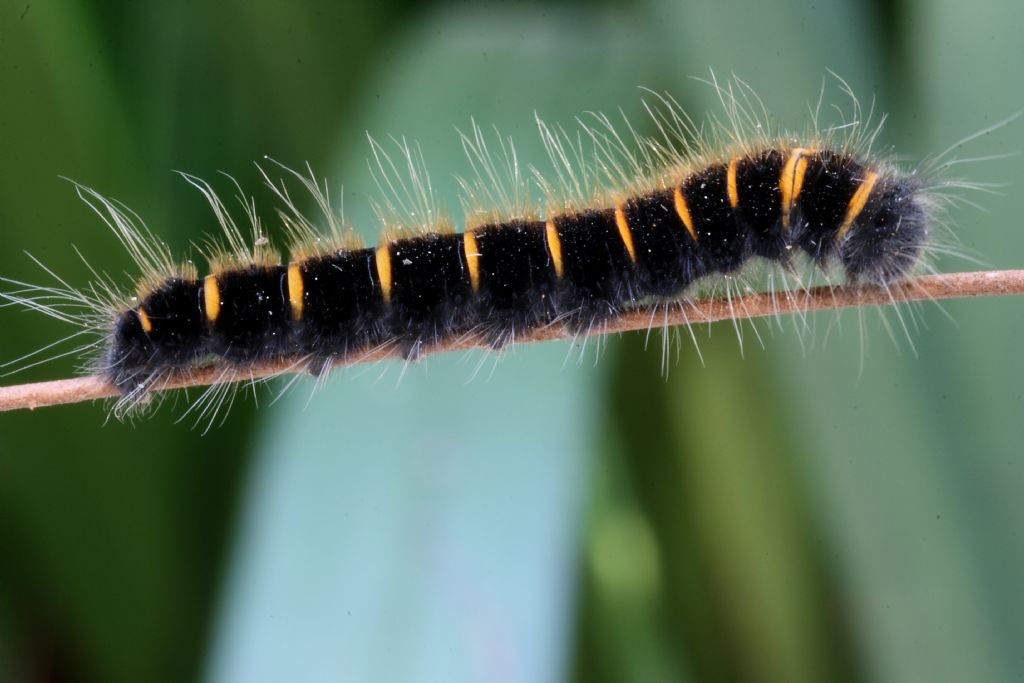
931,288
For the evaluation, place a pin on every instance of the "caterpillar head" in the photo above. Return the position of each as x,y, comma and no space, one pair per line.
886,241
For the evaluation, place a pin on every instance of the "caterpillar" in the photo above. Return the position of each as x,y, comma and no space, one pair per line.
630,223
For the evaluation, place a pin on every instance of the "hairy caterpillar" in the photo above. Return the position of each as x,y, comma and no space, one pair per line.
628,223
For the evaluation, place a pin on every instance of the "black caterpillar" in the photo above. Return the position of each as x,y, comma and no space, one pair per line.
506,277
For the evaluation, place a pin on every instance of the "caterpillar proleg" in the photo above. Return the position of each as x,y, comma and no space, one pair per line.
630,220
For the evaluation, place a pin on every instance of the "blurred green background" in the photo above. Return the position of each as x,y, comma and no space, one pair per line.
776,514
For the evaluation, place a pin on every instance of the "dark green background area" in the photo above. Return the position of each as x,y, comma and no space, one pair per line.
819,508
